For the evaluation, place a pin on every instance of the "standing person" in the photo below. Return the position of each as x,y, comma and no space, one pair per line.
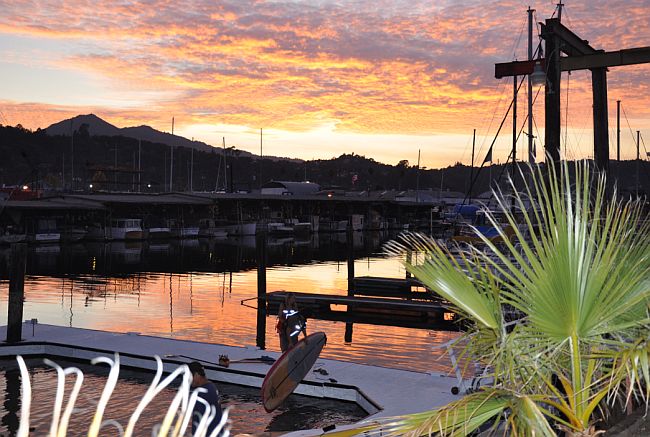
211,396
290,323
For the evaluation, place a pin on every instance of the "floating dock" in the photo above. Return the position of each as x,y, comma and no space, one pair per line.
395,309
380,391
392,287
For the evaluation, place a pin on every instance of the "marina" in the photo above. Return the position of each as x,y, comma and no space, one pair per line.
80,306
282,250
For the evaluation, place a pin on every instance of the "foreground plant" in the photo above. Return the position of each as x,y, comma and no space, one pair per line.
175,423
577,280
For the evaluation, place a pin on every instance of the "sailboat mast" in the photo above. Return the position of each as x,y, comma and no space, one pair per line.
71,155
471,171
260,175
225,167
171,161
417,181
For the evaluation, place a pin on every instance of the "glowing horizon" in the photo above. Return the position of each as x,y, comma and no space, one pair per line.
320,77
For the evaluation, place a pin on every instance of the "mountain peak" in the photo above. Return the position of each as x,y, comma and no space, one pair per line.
98,126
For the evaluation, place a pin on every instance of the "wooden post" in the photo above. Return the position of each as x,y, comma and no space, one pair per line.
16,292
601,127
409,259
260,246
350,244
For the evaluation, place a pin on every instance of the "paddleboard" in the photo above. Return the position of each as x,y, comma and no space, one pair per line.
288,370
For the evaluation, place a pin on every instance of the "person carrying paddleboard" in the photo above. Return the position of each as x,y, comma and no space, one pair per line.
290,323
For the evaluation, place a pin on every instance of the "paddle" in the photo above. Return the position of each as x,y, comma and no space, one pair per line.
265,359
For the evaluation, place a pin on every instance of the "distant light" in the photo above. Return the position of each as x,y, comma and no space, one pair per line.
25,188
449,317
148,185
90,186
329,194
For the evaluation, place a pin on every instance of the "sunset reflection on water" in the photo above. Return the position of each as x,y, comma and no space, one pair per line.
81,288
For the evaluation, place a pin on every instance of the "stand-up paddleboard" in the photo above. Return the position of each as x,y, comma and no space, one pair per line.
292,366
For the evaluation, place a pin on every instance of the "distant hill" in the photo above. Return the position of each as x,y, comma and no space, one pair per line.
96,126
99,127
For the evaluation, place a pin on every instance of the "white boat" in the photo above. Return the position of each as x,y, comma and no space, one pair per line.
240,229
157,233
46,232
181,230
279,229
125,229
357,222
10,235
73,234
12,238
208,228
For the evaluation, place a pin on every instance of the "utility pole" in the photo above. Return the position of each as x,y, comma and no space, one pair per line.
531,149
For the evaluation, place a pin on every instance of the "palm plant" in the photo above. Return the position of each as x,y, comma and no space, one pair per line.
577,279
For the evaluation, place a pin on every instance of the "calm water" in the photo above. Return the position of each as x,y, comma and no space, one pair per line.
194,290
247,414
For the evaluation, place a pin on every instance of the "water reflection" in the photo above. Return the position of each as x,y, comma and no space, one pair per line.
247,414
194,290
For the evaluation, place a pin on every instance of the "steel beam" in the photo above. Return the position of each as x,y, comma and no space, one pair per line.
639,55
571,44
619,58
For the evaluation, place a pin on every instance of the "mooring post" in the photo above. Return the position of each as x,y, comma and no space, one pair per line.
350,243
16,292
348,332
409,260
260,245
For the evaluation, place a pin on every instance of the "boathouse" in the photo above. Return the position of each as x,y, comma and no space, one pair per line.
290,188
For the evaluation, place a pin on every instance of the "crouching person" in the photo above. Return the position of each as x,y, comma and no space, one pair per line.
210,394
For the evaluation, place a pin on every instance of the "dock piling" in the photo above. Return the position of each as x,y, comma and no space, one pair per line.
260,246
350,245
17,263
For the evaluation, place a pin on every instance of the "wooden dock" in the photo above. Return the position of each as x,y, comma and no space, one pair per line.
408,288
391,310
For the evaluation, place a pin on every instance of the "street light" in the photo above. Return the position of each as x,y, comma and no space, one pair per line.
538,76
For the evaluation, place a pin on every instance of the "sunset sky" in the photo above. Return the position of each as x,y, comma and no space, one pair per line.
382,78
